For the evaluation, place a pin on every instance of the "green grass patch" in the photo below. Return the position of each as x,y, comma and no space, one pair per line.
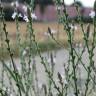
43,46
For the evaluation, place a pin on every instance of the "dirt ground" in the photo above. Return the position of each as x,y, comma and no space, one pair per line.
40,29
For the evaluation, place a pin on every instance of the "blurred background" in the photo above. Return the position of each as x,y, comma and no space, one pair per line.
46,10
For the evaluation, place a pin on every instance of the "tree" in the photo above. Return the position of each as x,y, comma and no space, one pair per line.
78,3
95,6
6,1
42,3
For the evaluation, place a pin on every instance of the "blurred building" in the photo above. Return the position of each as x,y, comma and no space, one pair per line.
45,10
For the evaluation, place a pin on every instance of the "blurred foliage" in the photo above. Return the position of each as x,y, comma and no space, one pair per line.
7,0
42,3
77,3
95,6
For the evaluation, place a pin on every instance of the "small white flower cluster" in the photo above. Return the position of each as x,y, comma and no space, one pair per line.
64,79
24,16
79,45
24,8
92,14
15,14
59,8
33,16
7,90
25,51
73,27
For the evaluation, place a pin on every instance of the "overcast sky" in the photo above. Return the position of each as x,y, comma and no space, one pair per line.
89,3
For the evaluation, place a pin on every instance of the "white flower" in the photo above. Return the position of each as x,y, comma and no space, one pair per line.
26,18
19,68
92,14
8,90
4,88
59,8
33,16
16,3
73,27
25,8
12,3
54,60
53,31
80,45
24,53
64,79
14,15
20,15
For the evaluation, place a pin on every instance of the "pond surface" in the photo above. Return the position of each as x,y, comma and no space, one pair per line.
60,57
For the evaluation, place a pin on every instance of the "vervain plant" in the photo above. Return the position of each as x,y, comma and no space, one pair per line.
22,78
